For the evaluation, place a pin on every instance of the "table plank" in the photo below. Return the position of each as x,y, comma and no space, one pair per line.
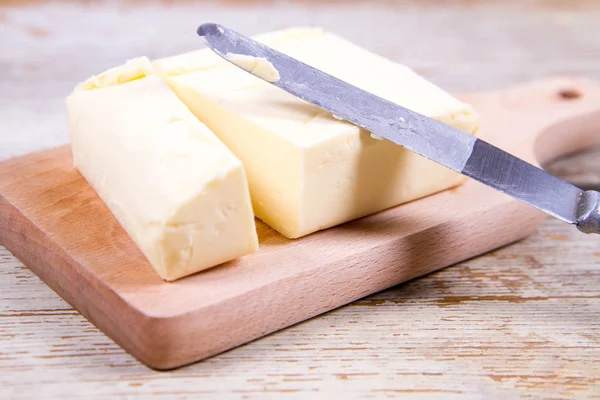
519,322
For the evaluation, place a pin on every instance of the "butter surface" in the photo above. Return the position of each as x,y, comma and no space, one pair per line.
180,194
259,66
308,170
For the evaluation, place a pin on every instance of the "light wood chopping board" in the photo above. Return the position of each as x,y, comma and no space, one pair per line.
56,225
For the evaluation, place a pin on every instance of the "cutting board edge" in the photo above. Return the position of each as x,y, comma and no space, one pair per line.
153,341
166,363
61,283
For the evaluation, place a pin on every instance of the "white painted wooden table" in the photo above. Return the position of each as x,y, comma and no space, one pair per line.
520,322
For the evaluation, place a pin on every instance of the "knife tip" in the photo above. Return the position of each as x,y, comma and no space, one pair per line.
209,29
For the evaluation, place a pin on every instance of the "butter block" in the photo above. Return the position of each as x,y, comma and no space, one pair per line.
308,170
180,194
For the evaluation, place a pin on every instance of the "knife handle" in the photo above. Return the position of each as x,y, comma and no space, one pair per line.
588,213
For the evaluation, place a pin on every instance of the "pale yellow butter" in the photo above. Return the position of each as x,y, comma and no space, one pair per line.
259,66
180,194
307,170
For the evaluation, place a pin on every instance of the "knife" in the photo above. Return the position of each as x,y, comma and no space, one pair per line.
434,140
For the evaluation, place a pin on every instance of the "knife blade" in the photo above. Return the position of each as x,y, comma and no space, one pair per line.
434,140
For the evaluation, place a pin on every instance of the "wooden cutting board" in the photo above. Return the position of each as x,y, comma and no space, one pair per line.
56,225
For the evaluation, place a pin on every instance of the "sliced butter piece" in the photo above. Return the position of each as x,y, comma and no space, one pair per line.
308,170
179,193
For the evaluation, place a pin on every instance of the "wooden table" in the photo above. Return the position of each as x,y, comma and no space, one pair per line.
522,321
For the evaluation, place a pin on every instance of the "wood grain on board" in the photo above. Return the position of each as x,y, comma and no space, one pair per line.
520,322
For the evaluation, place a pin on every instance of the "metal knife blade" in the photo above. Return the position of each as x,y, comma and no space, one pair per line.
434,140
